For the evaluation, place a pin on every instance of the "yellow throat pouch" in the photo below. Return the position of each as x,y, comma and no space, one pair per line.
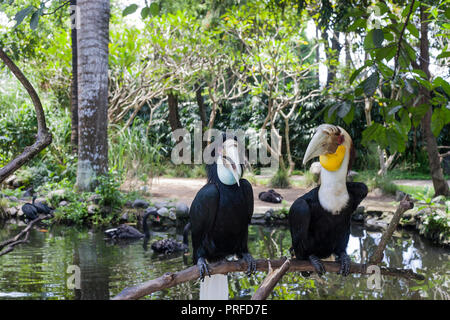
333,161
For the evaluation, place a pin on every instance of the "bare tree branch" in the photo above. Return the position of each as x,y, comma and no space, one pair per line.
11,243
404,206
44,137
271,281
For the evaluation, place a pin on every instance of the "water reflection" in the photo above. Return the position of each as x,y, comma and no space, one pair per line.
38,270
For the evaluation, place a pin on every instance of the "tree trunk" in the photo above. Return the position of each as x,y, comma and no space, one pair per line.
92,41
201,105
381,158
201,110
439,183
174,117
74,87
336,47
348,56
288,146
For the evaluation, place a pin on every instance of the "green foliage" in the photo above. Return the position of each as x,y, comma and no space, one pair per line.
153,9
108,189
130,9
21,10
391,74
435,215
373,181
280,179
74,213
309,179
184,171
284,211
251,178
76,209
437,225
18,123
18,128
133,152
262,41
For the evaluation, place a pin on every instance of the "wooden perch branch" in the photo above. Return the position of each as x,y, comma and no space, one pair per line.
11,243
271,281
404,206
44,137
169,279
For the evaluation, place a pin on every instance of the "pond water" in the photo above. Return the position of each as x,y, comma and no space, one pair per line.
39,269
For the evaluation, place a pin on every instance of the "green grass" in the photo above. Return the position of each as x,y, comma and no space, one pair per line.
183,171
414,189
372,180
398,174
131,151
308,179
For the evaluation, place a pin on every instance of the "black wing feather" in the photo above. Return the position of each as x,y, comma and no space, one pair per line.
202,215
299,219
248,194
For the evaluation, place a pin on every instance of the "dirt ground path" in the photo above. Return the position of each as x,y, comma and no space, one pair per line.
185,189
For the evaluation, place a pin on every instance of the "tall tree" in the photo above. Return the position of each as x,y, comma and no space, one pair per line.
397,78
92,41
439,183
74,85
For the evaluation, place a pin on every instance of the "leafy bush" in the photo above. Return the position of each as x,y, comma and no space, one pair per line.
184,170
108,189
373,181
436,225
132,152
435,216
309,179
280,179
74,213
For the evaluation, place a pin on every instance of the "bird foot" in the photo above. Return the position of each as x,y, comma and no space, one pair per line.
250,262
317,264
345,260
203,268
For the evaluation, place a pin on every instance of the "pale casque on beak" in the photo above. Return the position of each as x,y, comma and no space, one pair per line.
326,140
231,160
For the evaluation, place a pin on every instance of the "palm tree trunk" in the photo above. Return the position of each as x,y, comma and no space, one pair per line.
74,87
92,41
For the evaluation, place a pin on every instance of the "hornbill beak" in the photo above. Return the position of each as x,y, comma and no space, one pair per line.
326,140
231,159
